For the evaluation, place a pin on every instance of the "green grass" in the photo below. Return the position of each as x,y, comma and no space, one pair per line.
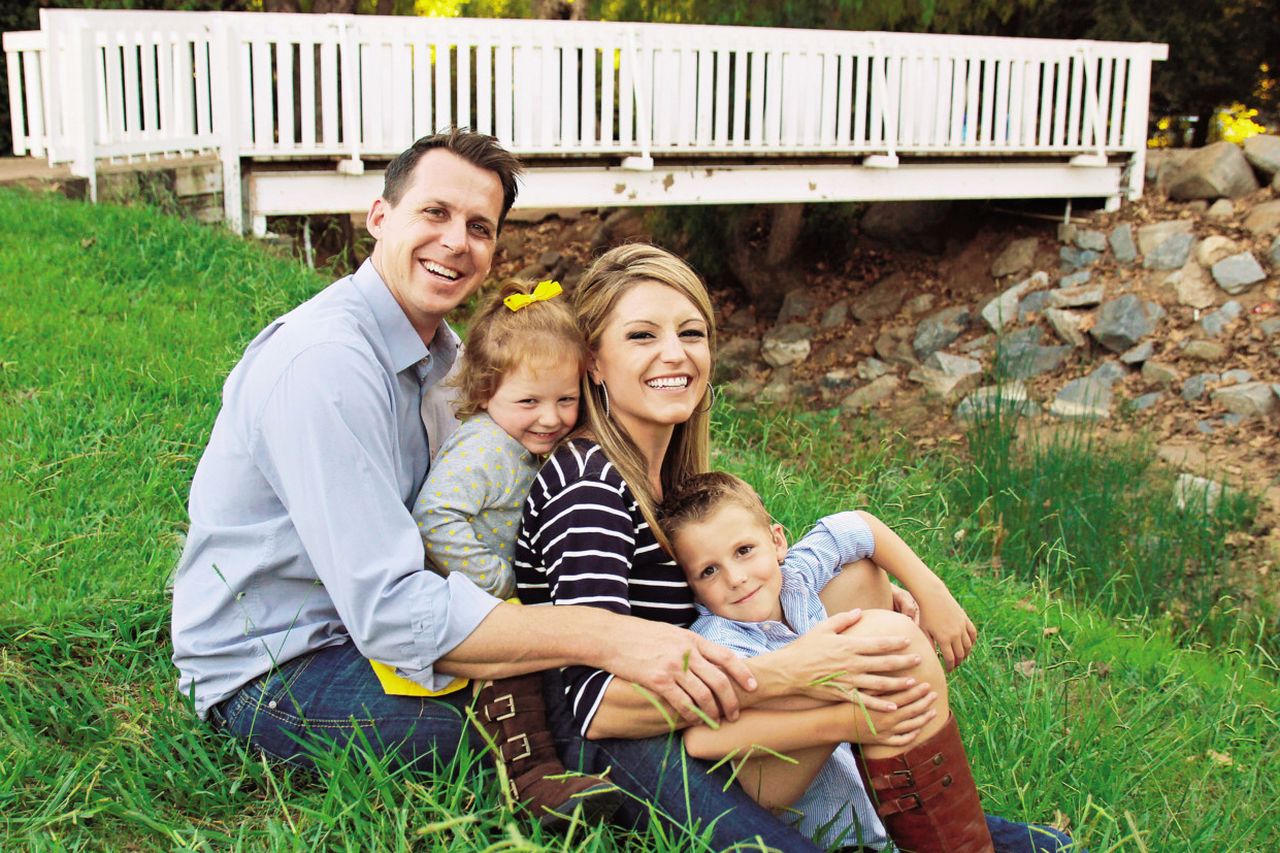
117,327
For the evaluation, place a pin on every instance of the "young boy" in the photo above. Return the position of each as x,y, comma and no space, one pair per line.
756,596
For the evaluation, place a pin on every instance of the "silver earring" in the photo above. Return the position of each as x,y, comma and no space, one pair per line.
711,399
604,392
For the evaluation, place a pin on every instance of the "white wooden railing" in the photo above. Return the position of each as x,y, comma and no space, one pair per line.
110,84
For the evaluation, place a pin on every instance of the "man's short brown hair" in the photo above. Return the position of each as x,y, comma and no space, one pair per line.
478,149
695,499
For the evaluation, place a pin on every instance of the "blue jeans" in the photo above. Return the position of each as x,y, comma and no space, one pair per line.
325,699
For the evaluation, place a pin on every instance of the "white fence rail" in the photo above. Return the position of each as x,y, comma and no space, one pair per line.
104,84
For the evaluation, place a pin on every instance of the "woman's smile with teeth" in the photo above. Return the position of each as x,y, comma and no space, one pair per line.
668,382
441,270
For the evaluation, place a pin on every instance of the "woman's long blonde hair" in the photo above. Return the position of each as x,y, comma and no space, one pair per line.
594,298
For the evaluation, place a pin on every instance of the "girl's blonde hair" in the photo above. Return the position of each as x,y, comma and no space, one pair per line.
500,340
594,298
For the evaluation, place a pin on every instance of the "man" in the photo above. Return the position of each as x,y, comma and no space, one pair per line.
303,561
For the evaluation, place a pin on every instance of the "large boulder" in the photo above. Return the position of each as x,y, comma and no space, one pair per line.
1215,171
907,224
787,344
1263,154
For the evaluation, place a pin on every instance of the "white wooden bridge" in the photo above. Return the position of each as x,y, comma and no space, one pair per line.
304,110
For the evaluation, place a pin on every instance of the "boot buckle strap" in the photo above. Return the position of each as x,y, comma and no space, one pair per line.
525,749
491,712
905,803
895,779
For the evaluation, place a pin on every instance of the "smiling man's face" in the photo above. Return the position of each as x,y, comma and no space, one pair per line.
435,245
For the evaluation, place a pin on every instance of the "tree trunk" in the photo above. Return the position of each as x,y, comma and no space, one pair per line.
291,6
334,7
762,241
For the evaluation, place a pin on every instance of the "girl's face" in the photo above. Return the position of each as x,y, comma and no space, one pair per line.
537,406
654,358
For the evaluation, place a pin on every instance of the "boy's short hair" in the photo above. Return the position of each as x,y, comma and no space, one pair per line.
695,499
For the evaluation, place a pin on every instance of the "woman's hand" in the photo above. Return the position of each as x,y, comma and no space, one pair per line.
946,623
901,726
827,664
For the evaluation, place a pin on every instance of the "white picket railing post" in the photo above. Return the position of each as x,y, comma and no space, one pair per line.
227,86
81,119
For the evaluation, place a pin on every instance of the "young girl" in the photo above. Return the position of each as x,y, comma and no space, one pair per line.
518,396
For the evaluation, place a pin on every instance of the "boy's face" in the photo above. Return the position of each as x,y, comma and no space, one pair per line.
731,560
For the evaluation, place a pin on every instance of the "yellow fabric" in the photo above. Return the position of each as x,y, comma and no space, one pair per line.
544,291
397,685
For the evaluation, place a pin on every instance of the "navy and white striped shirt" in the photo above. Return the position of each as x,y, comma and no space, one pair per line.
834,810
583,540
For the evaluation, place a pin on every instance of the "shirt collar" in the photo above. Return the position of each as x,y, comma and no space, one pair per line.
403,342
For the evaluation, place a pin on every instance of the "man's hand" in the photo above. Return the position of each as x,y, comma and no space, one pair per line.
681,668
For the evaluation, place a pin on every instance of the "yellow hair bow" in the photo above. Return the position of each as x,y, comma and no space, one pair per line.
544,291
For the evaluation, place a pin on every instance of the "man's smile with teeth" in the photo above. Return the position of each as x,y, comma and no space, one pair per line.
438,269
669,382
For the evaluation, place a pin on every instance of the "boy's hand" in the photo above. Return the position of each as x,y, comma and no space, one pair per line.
947,625
905,603
899,727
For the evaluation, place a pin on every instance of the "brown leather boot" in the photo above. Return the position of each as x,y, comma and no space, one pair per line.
927,797
512,713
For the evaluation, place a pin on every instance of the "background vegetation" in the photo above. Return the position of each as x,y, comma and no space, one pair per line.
117,327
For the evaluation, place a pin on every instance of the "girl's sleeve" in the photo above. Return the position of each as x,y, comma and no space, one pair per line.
465,482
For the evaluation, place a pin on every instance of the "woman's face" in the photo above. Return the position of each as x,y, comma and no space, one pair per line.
654,357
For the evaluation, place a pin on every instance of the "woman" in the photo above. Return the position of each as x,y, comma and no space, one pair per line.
589,537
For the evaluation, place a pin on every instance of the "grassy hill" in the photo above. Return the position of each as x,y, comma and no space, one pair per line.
117,327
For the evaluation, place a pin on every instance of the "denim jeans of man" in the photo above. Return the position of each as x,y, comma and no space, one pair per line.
324,700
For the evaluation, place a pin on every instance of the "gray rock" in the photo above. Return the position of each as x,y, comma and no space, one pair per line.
1204,426
1076,297
789,344
1146,401
836,315
1158,373
743,388
871,394
1171,254
1215,171
1233,419
1066,325
1237,376
1124,321
1192,287
1151,236
872,368
1075,279
1198,206
1238,273
1263,153
1212,249
1004,308
1121,240
781,388
1251,399
1094,241
1109,371
1033,304
1221,209
1086,398
947,376
1196,386
1009,399
978,345
1073,258
1264,218
883,299
940,329
1270,326
1021,356
907,224
1215,322
894,346
921,304
735,358
838,379
799,303
1019,256
1138,354
1273,254
1204,350
1197,493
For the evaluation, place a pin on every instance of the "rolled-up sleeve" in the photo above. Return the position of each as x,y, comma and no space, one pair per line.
833,542
325,439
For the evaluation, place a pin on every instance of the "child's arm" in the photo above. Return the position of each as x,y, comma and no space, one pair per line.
464,484
941,617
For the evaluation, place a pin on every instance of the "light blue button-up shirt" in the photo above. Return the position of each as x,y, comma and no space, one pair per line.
835,809
301,535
